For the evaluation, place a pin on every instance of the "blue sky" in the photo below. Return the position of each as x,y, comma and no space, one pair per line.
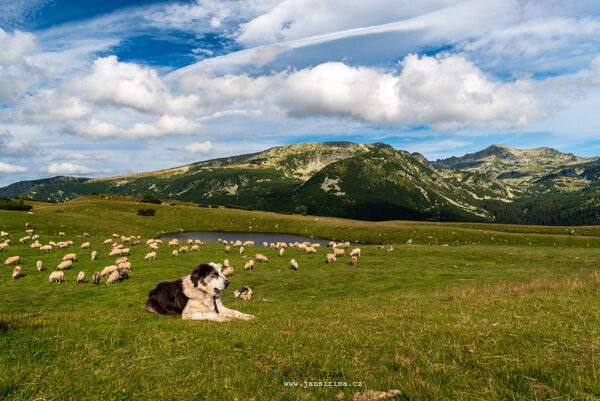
102,88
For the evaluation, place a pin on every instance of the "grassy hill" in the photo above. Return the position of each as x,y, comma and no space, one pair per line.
501,312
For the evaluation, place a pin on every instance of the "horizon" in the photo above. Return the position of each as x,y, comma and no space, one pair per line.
106,89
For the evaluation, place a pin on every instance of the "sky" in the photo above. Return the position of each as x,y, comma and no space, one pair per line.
104,88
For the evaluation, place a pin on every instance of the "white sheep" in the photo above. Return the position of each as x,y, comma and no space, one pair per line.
245,293
81,277
35,245
265,244
108,241
58,276
85,245
248,243
11,260
175,253
61,234
310,249
281,251
174,242
122,259
94,255
226,262
124,265
339,252
67,264
39,265
3,247
195,248
353,260
228,271
249,265
86,235
113,278
294,264
3,234
183,249
46,248
150,256
331,258
241,250
259,257
108,270
227,249
16,272
355,252
70,256
154,246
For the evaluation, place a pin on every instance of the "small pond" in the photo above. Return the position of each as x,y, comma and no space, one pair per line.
258,238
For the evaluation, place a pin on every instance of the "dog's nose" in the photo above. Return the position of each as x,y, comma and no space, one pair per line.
226,283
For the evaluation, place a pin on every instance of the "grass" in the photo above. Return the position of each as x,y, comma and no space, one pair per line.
490,320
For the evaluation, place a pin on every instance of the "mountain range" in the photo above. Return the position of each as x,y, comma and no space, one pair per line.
370,182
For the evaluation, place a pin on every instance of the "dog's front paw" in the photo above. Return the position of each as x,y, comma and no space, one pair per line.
248,317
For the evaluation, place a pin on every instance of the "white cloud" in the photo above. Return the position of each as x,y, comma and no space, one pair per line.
164,126
203,148
17,148
81,156
67,168
16,74
11,168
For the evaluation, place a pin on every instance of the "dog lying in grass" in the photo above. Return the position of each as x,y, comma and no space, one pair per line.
195,297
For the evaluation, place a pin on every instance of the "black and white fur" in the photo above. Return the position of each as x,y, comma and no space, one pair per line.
195,297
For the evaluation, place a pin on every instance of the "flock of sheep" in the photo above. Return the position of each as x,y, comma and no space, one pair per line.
121,268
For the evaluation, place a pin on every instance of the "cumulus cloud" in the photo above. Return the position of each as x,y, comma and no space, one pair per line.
14,148
11,168
202,148
68,168
163,126
16,74
81,156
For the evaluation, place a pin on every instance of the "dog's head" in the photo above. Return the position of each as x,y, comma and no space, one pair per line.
208,276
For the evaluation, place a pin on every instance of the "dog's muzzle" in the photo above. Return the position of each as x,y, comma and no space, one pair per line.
226,283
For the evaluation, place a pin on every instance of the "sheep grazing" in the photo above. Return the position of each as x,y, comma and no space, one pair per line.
11,260
94,255
81,277
123,274
46,248
225,242
39,265
70,243
122,259
124,266
241,250
183,249
237,243
108,270
96,278
272,245
281,251
16,272
265,244
331,258
51,243
124,251
190,241
3,234
114,252
35,245
35,237
355,252
309,250
259,257
113,278
85,245
62,245
228,271
61,234
226,262
86,235
27,225
331,244
30,231
175,253
245,293
174,242
70,256
195,248
67,264
23,240
150,256
294,264
353,261
108,241
3,247
219,240
339,252
154,246
249,265
248,243
115,235
59,277
227,249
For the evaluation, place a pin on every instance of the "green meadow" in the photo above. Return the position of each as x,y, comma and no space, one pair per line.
455,311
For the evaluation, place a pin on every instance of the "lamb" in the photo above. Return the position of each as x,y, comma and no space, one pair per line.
228,271
294,264
16,272
245,293
94,255
248,243
331,258
113,278
11,260
227,249
58,276
108,241
353,261
355,252
85,245
67,264
150,256
249,265
175,253
96,278
86,235
241,250
46,248
183,249
61,234
39,265
195,248
339,252
70,256
259,257
81,277
108,270
122,259
281,251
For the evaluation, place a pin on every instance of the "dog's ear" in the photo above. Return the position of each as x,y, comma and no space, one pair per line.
200,273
